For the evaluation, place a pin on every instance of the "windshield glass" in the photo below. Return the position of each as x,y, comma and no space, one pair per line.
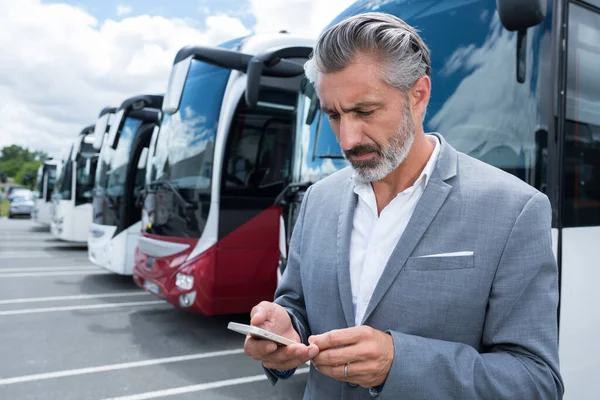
184,156
63,188
86,162
112,174
318,153
20,196
39,183
50,171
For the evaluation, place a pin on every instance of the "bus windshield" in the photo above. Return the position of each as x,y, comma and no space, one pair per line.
64,185
39,183
51,172
85,162
112,174
184,155
318,152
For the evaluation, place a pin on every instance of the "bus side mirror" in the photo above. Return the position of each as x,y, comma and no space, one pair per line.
518,15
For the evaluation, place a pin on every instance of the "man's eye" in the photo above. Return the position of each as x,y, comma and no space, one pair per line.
365,113
334,116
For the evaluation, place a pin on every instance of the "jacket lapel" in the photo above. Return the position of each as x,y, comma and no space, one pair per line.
344,233
431,201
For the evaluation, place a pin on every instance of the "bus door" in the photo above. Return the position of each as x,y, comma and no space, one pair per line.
579,251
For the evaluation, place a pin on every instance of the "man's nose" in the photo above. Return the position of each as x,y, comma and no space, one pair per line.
350,133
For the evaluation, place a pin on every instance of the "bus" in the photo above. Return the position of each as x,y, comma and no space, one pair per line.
44,185
119,182
72,199
211,226
516,84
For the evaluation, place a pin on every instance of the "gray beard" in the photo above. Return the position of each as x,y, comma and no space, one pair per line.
388,159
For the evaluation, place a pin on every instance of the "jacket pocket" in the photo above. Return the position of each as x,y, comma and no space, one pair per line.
439,263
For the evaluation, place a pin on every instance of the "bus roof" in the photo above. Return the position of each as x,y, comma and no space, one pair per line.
107,110
88,130
143,101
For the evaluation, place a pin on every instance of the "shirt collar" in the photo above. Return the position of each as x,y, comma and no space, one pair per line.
363,188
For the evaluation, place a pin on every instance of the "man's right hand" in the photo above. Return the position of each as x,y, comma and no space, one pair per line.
274,318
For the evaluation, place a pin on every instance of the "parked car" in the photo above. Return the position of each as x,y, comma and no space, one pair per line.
10,190
22,203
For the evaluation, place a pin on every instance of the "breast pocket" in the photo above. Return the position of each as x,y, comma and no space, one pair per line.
439,263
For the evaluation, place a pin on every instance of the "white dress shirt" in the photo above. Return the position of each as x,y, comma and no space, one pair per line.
375,237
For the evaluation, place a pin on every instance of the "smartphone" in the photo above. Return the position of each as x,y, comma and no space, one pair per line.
259,333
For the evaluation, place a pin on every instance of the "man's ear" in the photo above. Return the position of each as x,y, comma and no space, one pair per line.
419,95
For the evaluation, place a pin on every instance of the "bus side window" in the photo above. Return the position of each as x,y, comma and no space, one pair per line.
582,126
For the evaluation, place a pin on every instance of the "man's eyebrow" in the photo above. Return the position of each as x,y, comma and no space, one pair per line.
355,107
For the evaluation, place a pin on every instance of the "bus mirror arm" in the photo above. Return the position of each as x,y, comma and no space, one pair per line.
283,197
274,61
521,55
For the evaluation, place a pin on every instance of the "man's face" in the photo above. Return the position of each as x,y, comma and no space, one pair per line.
371,119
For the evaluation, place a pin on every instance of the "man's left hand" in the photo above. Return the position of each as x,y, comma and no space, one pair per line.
368,352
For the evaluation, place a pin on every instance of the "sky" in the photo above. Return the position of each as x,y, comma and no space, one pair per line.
63,61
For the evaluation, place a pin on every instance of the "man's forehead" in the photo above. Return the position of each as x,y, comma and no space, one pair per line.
352,105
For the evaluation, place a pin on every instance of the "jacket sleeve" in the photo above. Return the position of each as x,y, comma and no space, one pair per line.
289,293
519,359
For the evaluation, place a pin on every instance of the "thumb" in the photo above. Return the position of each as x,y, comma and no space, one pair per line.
260,315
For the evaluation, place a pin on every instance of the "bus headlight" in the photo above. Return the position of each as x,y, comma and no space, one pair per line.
183,281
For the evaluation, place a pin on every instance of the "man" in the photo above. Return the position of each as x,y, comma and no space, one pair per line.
418,272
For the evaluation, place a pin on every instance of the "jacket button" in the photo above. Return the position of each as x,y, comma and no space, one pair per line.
352,384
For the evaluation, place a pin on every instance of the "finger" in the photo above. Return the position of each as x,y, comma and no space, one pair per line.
338,337
356,372
260,313
258,349
335,372
286,353
339,356
274,361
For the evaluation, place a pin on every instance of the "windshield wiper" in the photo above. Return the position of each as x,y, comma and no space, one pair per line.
165,182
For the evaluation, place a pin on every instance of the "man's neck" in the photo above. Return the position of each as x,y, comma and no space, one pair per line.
406,174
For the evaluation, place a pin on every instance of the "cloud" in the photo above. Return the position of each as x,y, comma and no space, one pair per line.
302,17
55,77
60,65
123,9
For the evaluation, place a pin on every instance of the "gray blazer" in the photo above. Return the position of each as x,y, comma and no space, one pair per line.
464,327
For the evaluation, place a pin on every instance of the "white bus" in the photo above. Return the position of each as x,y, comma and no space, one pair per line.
44,185
72,199
120,179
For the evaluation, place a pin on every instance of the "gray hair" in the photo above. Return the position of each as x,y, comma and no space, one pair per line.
384,36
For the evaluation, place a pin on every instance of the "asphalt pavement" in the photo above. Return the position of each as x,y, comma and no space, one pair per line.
73,331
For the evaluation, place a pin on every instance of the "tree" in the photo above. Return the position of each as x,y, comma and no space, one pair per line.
14,157
27,174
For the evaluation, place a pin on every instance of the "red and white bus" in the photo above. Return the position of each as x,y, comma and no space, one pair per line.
212,229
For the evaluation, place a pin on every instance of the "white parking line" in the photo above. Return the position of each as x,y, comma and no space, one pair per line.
113,367
74,297
86,307
26,254
45,269
199,388
56,273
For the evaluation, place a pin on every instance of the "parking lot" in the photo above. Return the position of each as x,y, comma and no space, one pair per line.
73,331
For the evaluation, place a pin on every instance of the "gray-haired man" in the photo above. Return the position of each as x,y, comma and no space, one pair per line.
418,272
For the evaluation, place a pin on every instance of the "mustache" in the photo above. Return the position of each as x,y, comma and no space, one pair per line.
362,149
